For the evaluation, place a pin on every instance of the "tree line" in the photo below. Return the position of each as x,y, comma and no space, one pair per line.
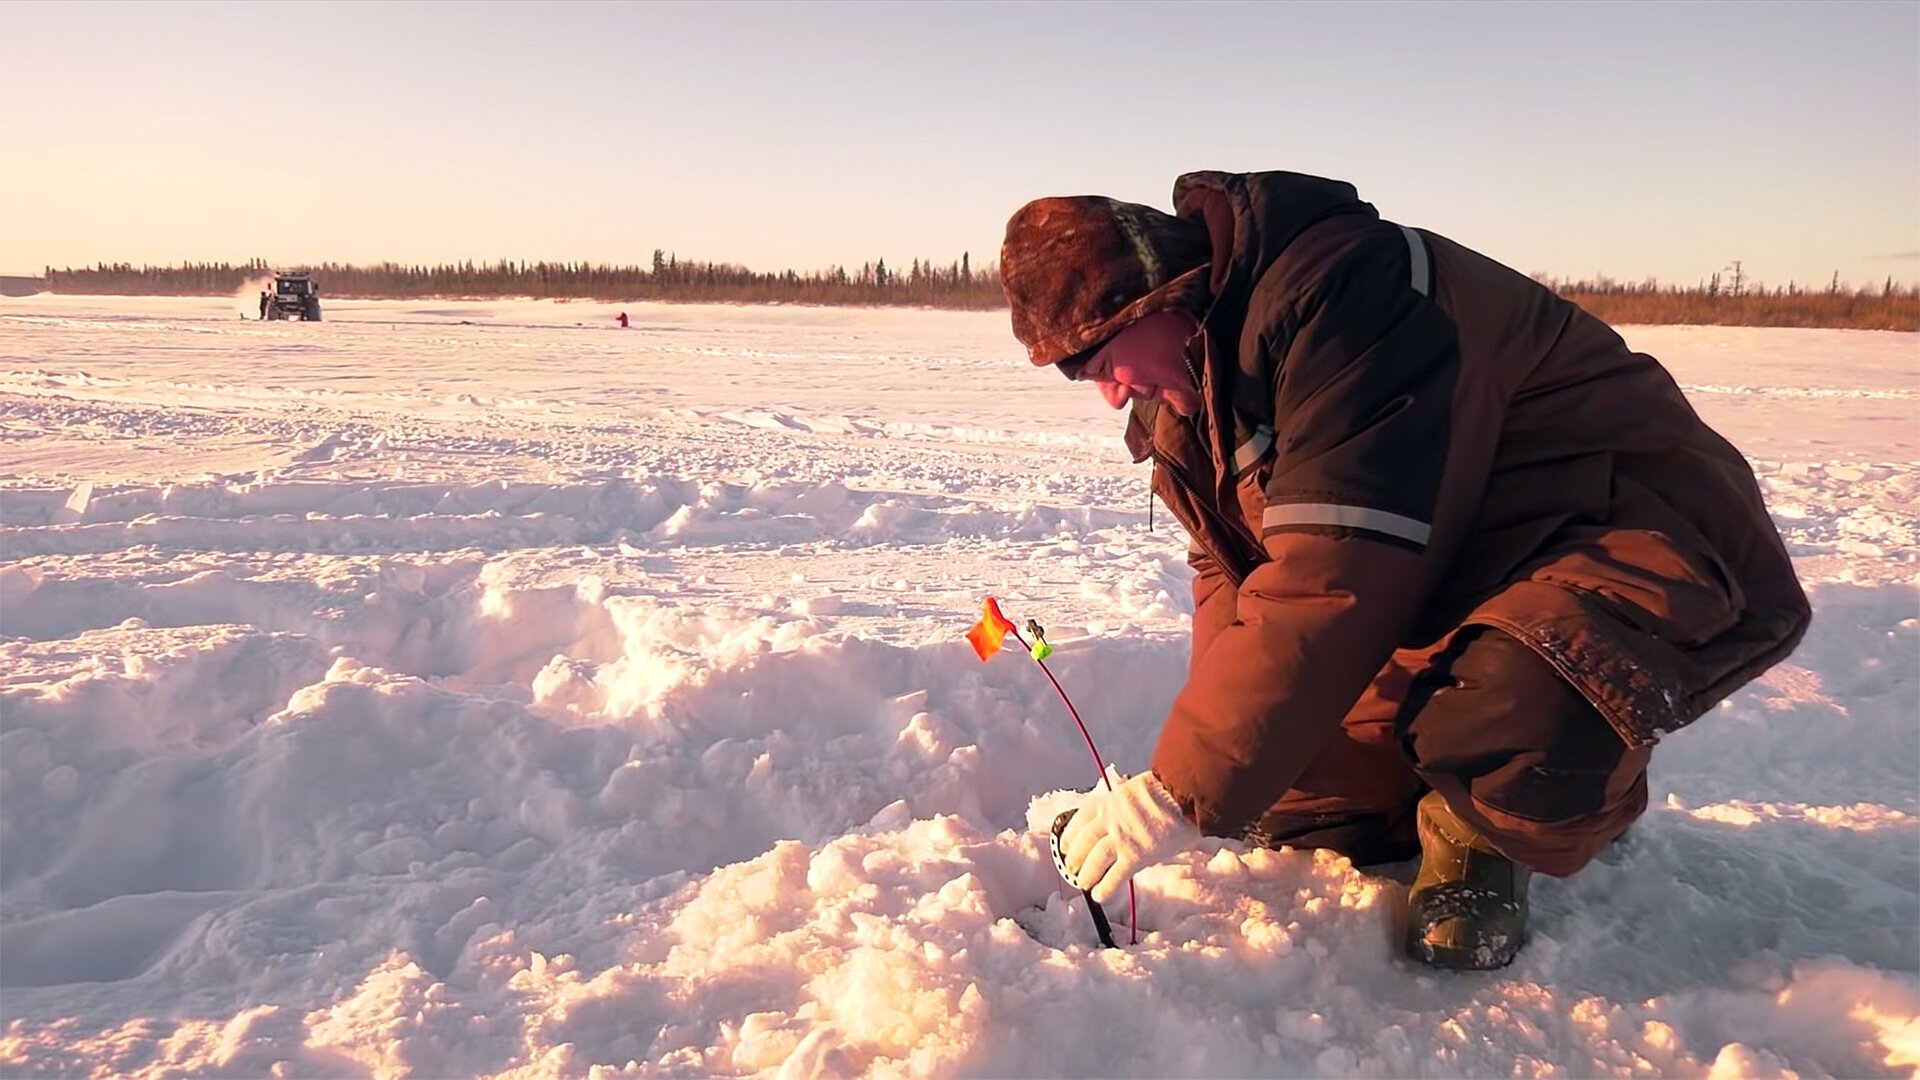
958,284
1726,301
1738,302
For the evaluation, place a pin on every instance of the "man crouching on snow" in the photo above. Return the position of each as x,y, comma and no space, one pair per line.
1461,557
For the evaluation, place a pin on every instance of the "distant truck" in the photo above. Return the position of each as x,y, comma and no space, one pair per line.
294,296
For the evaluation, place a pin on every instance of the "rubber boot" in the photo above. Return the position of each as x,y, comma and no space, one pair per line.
1468,905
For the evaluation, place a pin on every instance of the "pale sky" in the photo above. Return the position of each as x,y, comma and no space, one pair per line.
1571,139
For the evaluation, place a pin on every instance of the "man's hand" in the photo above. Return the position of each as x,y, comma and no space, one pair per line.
1118,833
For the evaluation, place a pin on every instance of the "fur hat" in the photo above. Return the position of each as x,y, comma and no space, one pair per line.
1079,269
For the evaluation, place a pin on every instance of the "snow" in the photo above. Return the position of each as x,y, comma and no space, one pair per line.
475,688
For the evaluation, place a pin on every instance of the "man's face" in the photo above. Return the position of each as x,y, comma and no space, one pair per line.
1147,362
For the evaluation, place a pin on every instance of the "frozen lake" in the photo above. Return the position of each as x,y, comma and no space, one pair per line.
477,688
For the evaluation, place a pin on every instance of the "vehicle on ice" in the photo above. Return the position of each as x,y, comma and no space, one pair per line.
294,296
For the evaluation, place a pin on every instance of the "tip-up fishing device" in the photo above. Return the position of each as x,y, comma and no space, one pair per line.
986,637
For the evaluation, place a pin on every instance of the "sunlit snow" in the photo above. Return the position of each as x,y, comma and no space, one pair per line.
477,688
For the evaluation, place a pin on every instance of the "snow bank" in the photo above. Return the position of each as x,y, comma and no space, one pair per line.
393,732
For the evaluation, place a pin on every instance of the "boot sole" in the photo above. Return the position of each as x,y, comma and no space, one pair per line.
1484,958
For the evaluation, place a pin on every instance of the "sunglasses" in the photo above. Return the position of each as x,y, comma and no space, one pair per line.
1075,367
1082,366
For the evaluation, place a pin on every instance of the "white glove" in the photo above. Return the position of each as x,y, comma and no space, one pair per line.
1116,834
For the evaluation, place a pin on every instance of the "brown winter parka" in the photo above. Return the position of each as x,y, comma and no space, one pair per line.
1401,437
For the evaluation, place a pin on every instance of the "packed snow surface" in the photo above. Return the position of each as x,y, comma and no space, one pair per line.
477,688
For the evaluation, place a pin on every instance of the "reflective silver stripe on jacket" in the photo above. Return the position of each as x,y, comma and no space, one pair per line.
1253,449
1348,517
1422,274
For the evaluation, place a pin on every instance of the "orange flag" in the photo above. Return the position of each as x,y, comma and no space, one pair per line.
992,628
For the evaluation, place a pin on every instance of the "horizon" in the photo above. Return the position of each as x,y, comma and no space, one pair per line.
1725,277
1669,143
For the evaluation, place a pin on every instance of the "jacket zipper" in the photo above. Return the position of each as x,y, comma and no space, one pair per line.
1206,511
1202,506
